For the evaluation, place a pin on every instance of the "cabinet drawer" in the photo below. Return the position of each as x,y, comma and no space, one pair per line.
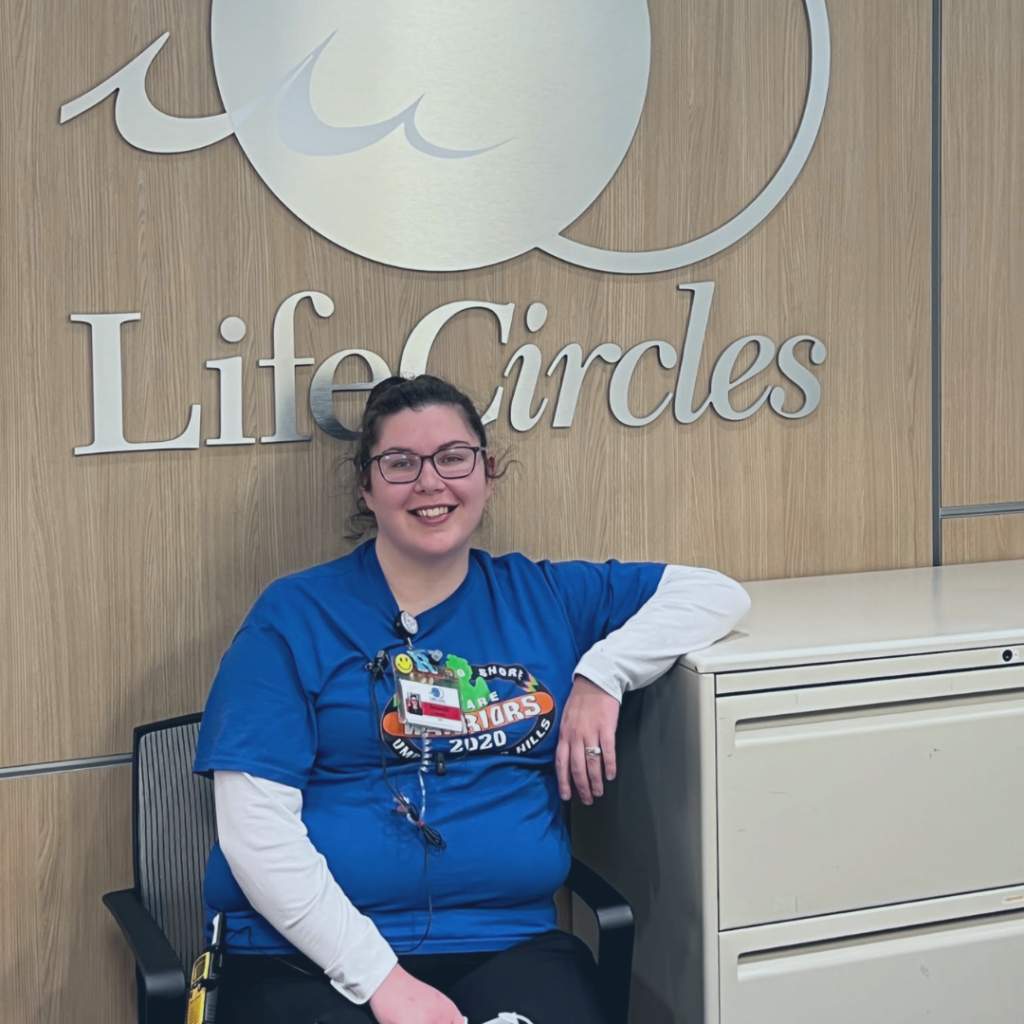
959,971
839,797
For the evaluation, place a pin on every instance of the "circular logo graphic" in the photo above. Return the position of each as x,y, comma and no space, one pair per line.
442,136
434,136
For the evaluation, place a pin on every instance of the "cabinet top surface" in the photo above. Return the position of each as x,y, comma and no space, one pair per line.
821,619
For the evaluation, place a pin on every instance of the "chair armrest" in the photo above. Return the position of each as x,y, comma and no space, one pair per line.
160,970
610,908
615,935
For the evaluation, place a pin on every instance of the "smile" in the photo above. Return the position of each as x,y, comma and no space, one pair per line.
433,512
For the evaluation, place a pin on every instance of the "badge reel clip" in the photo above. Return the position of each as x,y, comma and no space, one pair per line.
427,694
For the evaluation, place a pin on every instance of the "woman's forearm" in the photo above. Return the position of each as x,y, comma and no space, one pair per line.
287,881
690,610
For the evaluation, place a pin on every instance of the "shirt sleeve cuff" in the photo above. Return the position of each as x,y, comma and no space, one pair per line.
595,668
367,964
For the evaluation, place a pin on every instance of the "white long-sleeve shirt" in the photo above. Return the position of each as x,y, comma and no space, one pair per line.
287,880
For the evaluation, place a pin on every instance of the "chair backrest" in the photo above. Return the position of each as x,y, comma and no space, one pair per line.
174,828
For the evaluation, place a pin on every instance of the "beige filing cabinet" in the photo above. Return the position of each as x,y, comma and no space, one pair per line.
820,820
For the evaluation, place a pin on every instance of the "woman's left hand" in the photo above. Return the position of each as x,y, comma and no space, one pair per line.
589,720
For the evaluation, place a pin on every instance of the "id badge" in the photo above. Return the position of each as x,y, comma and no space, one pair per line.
427,694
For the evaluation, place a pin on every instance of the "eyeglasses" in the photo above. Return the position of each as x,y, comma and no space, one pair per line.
405,467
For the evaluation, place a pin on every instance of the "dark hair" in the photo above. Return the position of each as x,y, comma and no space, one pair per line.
394,395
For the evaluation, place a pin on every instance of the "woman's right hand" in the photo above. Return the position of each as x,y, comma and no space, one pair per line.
401,999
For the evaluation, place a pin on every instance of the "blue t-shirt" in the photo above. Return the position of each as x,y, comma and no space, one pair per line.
292,703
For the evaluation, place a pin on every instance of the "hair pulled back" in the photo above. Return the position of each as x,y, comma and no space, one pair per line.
391,396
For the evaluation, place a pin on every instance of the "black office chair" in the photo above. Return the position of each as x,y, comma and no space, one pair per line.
173,830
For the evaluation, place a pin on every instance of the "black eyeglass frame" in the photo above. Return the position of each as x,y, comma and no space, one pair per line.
474,448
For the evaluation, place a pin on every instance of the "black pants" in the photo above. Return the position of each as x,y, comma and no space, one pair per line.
552,979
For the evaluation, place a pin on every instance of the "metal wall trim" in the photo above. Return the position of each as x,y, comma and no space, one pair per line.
999,508
936,282
19,771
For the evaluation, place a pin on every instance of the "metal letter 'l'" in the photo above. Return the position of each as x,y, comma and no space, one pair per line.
693,346
107,392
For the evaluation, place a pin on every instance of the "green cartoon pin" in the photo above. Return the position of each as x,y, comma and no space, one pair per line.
473,693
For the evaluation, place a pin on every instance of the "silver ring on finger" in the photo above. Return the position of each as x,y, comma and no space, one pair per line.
592,751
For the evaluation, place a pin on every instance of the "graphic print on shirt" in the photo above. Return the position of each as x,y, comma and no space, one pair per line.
507,710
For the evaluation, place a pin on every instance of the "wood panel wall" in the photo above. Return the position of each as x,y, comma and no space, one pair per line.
983,539
66,841
126,575
982,252
132,570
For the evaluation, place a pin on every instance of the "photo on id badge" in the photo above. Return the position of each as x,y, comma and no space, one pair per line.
472,709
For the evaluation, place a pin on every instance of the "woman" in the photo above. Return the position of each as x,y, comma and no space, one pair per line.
364,877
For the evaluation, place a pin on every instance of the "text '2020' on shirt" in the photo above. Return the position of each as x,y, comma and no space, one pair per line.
293,703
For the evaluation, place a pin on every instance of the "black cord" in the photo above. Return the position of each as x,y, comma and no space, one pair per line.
431,837
430,902
377,671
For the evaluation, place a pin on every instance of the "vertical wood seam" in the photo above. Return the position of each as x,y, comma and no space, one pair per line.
936,282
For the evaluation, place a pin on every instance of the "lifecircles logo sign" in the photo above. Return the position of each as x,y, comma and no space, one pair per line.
445,137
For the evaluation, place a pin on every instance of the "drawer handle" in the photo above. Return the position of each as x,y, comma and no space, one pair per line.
878,945
909,714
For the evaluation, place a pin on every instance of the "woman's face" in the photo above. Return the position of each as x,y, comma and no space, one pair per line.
432,517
